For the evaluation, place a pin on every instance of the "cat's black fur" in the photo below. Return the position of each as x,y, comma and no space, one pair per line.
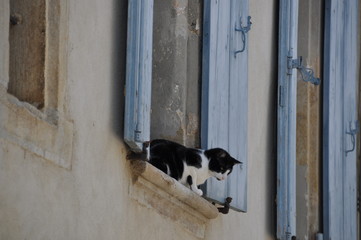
190,166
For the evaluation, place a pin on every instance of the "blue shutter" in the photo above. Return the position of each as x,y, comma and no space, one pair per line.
138,73
340,115
286,136
225,95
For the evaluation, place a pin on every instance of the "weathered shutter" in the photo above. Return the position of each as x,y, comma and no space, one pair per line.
286,137
138,73
340,116
225,94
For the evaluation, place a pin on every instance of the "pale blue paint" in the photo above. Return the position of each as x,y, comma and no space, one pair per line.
340,109
225,95
286,137
138,73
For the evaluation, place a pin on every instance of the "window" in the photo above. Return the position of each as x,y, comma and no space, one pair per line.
27,51
288,64
224,87
36,45
33,76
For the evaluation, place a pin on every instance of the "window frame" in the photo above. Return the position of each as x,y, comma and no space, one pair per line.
138,91
50,120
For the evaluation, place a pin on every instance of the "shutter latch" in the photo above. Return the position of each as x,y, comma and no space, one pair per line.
306,73
225,208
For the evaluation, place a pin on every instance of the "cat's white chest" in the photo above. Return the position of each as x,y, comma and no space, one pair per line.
199,175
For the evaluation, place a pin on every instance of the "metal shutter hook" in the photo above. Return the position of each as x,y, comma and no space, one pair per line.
353,133
243,30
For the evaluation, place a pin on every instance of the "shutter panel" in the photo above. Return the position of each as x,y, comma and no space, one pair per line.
340,115
138,73
225,95
286,136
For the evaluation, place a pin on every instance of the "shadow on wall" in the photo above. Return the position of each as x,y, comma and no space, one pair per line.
272,169
119,65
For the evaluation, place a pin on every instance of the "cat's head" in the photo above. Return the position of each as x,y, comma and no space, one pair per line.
220,162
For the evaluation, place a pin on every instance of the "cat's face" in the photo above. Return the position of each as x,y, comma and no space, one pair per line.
220,163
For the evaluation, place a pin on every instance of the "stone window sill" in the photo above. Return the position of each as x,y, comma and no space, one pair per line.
24,125
152,188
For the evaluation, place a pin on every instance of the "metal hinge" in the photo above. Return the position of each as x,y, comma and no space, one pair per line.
306,73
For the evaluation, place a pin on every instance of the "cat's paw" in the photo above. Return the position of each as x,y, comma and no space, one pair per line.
199,192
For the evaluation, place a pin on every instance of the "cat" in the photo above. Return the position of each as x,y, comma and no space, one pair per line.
190,166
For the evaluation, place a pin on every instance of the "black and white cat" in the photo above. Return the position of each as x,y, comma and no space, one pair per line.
190,166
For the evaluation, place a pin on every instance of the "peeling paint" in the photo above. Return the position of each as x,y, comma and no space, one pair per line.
180,7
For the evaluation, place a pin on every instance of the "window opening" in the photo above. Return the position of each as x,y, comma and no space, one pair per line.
27,36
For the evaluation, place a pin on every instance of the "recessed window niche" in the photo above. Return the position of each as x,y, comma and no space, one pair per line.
27,42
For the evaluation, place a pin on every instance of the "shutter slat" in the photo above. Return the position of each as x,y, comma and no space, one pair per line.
238,107
340,98
224,96
219,86
286,136
138,73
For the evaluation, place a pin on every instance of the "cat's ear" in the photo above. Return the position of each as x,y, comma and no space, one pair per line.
235,161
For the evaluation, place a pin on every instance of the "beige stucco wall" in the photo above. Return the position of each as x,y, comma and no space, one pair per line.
89,199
